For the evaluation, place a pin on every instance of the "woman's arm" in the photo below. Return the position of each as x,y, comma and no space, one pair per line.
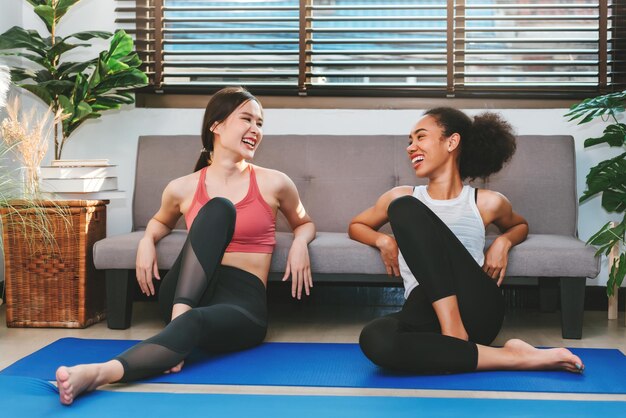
364,228
513,226
159,226
298,263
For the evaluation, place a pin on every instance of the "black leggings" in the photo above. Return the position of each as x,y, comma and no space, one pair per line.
411,340
229,310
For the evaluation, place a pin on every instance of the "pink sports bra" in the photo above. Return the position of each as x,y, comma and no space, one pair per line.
255,226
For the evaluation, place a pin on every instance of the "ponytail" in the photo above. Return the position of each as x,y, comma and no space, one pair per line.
221,105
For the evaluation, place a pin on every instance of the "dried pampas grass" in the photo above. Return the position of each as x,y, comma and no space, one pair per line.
27,136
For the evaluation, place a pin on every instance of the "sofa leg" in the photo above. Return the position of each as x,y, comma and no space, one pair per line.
119,299
548,294
572,306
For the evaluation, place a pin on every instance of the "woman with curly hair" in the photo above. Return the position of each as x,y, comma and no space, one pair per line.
454,307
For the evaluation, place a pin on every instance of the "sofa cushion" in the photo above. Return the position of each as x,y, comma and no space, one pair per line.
540,182
335,253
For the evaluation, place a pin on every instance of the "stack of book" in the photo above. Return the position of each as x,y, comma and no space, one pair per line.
78,176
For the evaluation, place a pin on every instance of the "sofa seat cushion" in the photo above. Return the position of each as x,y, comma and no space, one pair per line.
541,255
547,255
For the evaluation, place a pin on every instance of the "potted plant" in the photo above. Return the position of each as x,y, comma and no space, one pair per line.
47,244
608,178
83,89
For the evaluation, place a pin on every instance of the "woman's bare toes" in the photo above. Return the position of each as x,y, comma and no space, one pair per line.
63,383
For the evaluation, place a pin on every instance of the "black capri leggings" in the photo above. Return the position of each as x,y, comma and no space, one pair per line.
411,340
229,310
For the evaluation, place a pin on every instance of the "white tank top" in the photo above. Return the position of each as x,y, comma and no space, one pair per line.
461,215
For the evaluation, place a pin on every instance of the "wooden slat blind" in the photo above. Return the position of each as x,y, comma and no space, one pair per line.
461,48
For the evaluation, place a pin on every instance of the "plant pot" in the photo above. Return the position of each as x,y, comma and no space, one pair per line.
54,284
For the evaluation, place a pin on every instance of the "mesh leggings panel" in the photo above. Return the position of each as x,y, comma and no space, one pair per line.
216,328
207,240
190,280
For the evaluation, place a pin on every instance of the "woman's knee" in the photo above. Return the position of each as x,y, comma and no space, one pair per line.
377,342
218,212
220,206
404,207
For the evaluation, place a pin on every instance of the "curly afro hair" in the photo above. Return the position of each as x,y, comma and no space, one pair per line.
487,142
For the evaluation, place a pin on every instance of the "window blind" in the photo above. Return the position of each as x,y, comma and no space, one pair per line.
461,48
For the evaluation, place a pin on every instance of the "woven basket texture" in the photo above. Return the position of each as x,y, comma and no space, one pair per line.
54,283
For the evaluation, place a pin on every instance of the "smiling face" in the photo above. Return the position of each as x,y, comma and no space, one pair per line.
242,131
429,150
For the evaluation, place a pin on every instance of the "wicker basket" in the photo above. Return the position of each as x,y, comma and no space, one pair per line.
54,284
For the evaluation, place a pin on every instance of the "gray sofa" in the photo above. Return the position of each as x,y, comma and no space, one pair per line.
339,176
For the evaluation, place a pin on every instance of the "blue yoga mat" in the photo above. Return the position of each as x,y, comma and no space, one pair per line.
332,365
28,398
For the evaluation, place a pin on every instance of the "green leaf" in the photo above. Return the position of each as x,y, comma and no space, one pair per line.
594,240
85,36
82,110
38,91
116,66
608,175
128,79
132,60
614,200
121,45
57,87
20,74
66,104
122,98
62,7
81,86
47,14
607,237
102,104
67,68
617,274
16,38
591,108
37,59
614,135
37,2
43,76
62,47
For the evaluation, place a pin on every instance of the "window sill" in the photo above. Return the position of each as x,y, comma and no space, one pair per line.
195,101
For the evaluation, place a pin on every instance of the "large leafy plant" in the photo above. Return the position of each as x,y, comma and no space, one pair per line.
608,178
82,89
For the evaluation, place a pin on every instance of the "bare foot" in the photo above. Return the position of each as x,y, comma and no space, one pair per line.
528,357
72,381
176,368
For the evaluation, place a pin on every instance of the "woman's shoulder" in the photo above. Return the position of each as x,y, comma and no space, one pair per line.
399,191
271,177
181,187
490,201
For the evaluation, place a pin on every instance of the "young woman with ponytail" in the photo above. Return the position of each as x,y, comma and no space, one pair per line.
213,297
454,307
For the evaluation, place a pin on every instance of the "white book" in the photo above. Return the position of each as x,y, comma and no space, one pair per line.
79,163
79,185
66,172
105,195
